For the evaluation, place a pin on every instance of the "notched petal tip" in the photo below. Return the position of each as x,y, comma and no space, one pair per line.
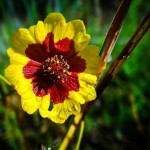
88,78
93,60
54,18
40,32
30,108
80,37
44,106
16,58
78,25
87,91
61,112
10,52
43,113
77,97
21,39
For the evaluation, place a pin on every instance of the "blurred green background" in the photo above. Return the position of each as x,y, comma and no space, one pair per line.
120,120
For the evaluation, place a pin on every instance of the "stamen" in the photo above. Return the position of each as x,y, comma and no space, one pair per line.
56,68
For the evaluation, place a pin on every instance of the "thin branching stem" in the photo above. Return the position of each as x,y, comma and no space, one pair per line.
114,31
119,61
80,135
71,131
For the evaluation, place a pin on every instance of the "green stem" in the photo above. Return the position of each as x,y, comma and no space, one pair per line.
4,79
80,135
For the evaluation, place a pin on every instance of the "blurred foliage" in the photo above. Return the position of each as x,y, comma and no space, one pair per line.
120,119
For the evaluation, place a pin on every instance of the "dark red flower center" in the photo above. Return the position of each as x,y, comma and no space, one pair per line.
53,68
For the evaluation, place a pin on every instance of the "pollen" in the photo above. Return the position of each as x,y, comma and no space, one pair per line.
56,68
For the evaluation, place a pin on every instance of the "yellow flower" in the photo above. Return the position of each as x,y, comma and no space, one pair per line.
51,63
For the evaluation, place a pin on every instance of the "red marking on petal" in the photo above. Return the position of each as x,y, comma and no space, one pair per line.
36,52
58,94
39,52
38,91
41,84
71,82
30,69
64,45
77,64
49,43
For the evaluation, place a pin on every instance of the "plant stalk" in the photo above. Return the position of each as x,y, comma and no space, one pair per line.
71,131
119,61
114,31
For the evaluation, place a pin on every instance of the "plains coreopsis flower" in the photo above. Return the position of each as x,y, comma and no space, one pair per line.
51,63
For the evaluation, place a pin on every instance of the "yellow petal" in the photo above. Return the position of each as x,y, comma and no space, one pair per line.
30,103
24,88
77,97
80,37
88,78
76,30
59,30
55,23
87,91
32,31
21,39
54,18
81,41
93,60
48,27
16,58
45,103
13,73
40,32
62,111
69,31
